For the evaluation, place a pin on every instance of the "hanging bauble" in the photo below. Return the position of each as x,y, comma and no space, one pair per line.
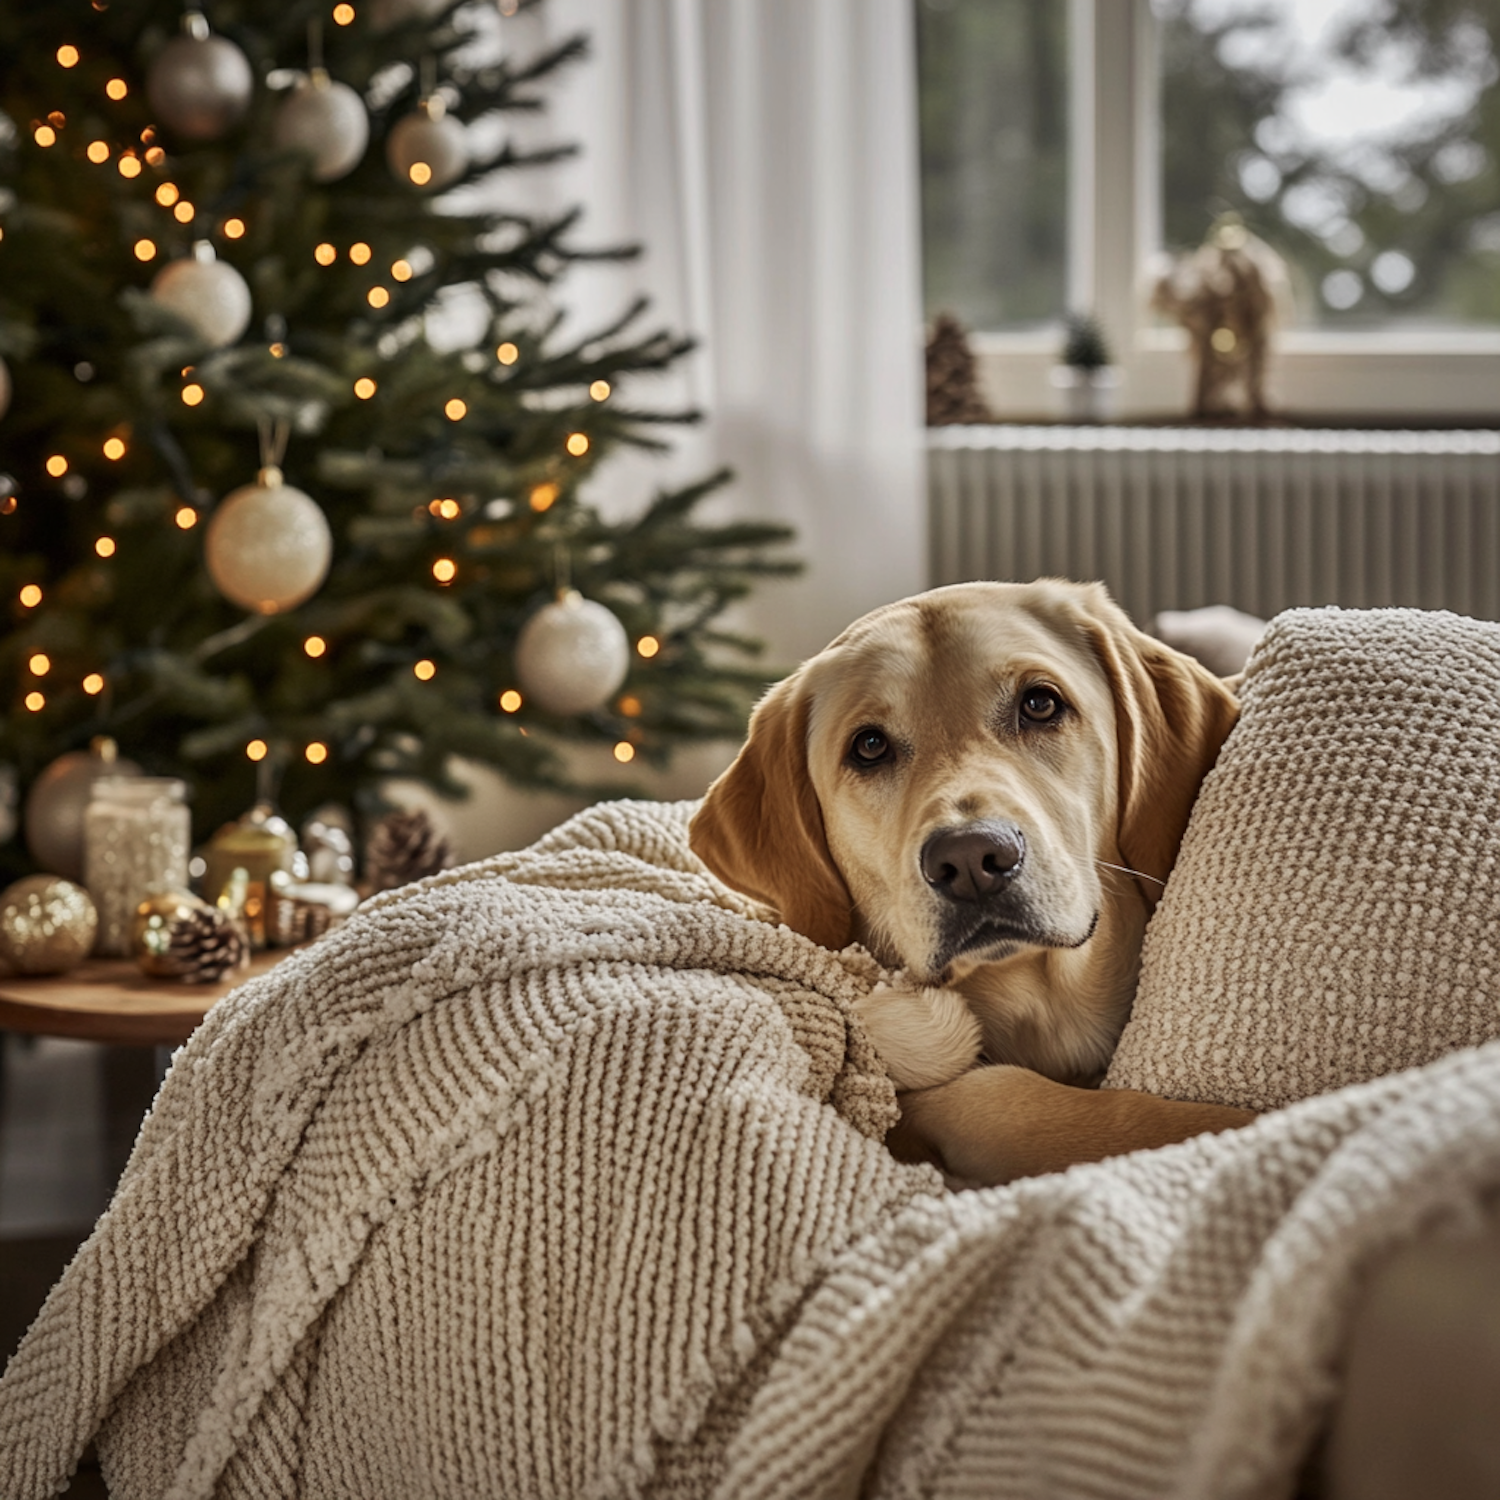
268,545
47,925
428,148
326,122
206,292
58,799
4,388
571,655
199,85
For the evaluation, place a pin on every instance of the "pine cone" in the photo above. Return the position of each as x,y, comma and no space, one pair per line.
204,945
952,377
404,846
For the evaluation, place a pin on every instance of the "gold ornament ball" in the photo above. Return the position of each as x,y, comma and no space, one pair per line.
151,930
47,925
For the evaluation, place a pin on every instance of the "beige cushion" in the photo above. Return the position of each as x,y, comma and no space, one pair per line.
1335,911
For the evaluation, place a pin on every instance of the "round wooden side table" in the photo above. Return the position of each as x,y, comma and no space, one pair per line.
110,1000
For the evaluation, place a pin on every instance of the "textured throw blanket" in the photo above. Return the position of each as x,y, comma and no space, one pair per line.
561,1175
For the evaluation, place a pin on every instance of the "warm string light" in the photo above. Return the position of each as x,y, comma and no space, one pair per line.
401,270
630,706
30,596
257,749
419,172
114,448
36,702
360,253
156,156
105,546
98,152
507,353
67,56
186,517
184,212
192,394
599,390
578,444
129,164
117,89
425,670
167,194
455,409
39,664
315,646
44,135
325,254
510,701
364,387
343,15
145,249
234,229
316,753
57,465
93,684
445,570
377,296
648,646
544,496
447,510
624,752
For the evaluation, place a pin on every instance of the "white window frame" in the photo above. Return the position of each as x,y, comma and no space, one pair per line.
1114,206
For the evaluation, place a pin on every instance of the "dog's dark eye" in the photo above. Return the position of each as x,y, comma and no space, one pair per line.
869,748
1040,705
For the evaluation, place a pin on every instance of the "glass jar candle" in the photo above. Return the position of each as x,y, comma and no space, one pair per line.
136,836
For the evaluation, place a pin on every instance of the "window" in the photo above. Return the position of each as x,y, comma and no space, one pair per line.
1360,138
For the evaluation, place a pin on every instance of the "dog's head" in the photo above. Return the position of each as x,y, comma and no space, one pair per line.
950,779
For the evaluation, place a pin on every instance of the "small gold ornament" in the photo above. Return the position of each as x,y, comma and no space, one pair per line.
47,925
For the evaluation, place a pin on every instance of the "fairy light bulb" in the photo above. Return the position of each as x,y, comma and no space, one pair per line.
234,229
360,253
377,296
145,249
455,409
105,546
36,702
325,254
401,270
647,646
424,670
624,752
510,701
44,135
186,517
117,89
184,212
31,596
93,684
599,390
507,353
98,152
257,749
316,753
67,56
192,395
543,496
315,646
57,465
39,664
167,194
445,570
114,448
364,387
343,15
577,444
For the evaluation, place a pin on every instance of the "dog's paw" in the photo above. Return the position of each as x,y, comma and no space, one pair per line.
924,1036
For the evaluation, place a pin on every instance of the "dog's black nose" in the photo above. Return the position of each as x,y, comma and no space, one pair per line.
967,863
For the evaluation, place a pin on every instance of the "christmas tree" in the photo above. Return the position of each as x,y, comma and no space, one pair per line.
249,510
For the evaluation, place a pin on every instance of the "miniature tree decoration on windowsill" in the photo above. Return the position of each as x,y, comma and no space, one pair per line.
1085,378
194,291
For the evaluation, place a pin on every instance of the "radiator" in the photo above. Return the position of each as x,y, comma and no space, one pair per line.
1261,519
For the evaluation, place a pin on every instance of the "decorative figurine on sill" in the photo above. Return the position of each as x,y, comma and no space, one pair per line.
1226,294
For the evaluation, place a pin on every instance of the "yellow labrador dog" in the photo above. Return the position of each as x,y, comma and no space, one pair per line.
986,785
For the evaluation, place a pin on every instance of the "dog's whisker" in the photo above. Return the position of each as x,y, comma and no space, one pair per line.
1126,870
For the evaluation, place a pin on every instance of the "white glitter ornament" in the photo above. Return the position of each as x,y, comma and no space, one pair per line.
206,292
428,148
199,85
571,655
326,122
268,545
4,388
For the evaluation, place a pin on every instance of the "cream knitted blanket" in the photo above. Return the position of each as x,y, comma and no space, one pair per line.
560,1175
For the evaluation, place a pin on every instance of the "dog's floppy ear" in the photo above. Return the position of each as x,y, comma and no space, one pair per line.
1172,715
760,828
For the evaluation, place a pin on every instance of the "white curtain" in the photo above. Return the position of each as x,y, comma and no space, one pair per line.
764,153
